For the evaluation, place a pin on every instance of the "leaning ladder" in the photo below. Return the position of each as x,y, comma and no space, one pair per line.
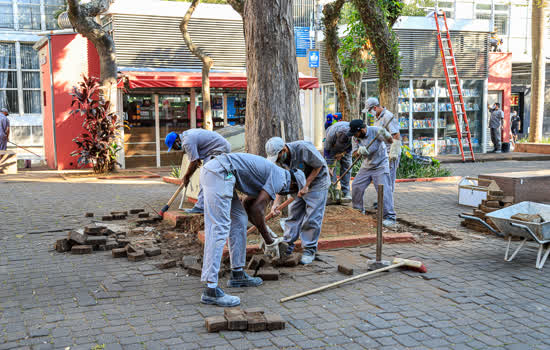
453,84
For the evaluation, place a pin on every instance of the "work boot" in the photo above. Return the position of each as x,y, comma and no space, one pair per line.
216,296
194,210
346,197
375,205
307,257
242,279
388,223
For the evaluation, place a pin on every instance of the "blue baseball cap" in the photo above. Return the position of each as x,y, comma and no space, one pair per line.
170,139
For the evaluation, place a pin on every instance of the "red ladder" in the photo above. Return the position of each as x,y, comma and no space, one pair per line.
453,86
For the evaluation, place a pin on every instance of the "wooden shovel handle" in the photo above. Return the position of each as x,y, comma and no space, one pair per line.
270,216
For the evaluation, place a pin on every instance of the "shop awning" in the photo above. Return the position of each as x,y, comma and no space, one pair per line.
152,79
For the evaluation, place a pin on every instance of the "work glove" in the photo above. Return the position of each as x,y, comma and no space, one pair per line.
395,150
384,133
363,151
273,248
271,233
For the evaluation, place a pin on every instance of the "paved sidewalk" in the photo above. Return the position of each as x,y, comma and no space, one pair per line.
470,299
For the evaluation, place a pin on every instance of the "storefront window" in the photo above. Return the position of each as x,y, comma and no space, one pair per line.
473,100
423,120
329,98
52,7
140,138
403,110
501,13
236,108
173,116
217,110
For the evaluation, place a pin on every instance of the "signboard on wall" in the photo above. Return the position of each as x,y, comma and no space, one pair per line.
313,59
302,41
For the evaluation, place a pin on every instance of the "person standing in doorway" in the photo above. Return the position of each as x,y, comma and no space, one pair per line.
495,123
4,129
515,123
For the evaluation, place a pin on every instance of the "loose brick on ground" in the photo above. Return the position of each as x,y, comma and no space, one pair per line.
194,270
131,248
346,270
122,242
125,213
143,215
136,211
94,230
290,261
89,215
236,319
152,251
215,324
119,253
252,310
111,244
136,256
256,322
268,274
166,264
62,245
258,261
118,217
189,260
107,218
78,236
274,322
81,249
96,240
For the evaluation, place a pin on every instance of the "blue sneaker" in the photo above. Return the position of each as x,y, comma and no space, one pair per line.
194,210
216,296
242,279
307,257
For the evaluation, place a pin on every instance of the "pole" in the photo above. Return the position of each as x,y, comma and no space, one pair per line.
380,217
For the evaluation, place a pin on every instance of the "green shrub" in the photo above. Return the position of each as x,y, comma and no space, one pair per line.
525,140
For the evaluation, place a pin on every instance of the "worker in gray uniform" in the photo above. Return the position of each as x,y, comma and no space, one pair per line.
337,149
374,168
225,216
495,124
4,129
201,146
383,119
305,214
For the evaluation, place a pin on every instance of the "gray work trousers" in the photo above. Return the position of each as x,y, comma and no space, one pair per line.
224,217
393,172
495,138
200,197
3,143
363,179
345,163
305,218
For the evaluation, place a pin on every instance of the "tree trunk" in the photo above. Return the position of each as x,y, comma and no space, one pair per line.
331,13
385,47
81,16
354,79
272,69
538,67
207,63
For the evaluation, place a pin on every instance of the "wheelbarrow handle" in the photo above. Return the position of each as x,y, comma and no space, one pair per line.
531,233
464,216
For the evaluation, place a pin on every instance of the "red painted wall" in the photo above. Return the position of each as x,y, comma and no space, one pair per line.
46,106
72,57
500,78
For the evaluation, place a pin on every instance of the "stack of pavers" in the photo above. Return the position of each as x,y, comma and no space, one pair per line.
252,320
495,200
101,238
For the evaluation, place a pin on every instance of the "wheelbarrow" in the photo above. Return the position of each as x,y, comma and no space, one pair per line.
509,228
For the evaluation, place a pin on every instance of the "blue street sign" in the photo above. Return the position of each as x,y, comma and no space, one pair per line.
313,58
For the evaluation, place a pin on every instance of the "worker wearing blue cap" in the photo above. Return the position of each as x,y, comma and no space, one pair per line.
305,214
200,146
337,150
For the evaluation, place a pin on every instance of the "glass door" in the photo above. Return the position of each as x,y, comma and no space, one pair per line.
236,108
404,110
423,106
174,115
140,138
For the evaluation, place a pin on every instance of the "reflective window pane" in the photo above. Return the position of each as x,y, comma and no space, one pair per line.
29,57
7,56
140,139
29,14
52,9
31,101
8,79
236,108
6,14
8,99
31,80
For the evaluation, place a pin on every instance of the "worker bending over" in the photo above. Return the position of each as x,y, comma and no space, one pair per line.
338,150
201,146
226,217
385,119
305,214
374,168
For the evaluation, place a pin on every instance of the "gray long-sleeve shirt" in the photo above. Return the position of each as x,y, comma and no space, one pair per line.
4,125
337,140
200,143
304,156
496,118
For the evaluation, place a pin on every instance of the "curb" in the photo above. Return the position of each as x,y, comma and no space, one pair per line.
172,180
150,176
432,179
336,243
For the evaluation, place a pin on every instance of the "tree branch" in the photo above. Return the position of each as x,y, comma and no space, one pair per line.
238,5
331,13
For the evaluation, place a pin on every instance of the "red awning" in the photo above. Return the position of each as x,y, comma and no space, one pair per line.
194,79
